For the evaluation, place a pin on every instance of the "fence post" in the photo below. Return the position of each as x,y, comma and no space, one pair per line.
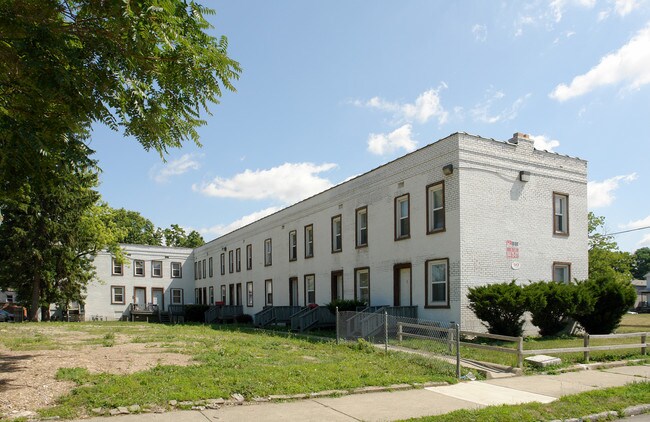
520,352
643,340
399,331
337,326
457,327
386,331
586,344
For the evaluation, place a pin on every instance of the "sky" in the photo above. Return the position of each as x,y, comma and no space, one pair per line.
332,89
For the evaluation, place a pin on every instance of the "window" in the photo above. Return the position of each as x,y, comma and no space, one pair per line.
249,294
562,272
310,289
402,223
198,265
362,285
10,298
177,270
249,257
437,283
436,207
117,267
210,267
197,296
223,263
117,295
231,262
560,214
138,268
196,273
205,273
268,253
238,259
309,241
211,295
268,292
293,245
337,235
223,294
177,296
156,268
362,227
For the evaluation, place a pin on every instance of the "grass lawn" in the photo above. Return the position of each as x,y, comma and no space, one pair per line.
228,360
573,406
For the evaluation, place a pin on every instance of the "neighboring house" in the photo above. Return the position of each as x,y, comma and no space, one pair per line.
8,296
419,230
152,278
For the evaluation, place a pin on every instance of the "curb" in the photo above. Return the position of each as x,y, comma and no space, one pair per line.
605,416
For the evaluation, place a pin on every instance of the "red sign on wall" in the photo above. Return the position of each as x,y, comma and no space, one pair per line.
512,249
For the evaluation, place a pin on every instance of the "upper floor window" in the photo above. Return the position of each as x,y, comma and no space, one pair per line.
560,213
437,283
436,207
402,220
268,253
293,245
562,272
10,298
210,268
138,268
231,261
205,273
249,257
238,259
310,289
337,235
156,269
196,271
177,270
362,227
309,241
116,267
223,263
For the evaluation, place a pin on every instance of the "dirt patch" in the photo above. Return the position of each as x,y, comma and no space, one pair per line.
27,378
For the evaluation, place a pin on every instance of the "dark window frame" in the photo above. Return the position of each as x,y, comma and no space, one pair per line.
397,220
180,269
268,282
306,292
338,217
222,263
268,252
171,296
113,302
357,232
430,210
310,228
114,266
135,267
293,249
249,256
561,264
231,261
153,272
427,305
556,230
249,294
238,260
211,267
357,296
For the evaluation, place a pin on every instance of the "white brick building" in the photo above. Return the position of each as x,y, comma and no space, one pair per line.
461,212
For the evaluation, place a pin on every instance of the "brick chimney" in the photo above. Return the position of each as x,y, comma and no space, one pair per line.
517,137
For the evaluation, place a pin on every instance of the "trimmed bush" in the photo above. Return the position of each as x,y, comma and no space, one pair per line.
501,306
611,300
345,305
551,305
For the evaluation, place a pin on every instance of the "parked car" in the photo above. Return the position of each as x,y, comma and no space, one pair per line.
6,316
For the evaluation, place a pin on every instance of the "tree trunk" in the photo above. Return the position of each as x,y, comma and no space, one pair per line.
36,298
45,313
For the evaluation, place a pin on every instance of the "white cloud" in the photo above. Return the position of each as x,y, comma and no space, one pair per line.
630,64
645,241
287,183
482,111
637,224
479,32
221,229
542,142
162,173
601,194
625,7
400,138
426,106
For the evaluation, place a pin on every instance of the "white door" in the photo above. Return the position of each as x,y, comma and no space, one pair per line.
140,296
405,287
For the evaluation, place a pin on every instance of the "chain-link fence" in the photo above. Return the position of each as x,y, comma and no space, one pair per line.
395,331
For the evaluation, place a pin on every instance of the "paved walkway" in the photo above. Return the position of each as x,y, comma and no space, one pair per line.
387,406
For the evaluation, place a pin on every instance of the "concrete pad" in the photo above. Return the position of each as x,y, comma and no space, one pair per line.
301,410
396,405
489,394
642,371
542,384
597,379
177,416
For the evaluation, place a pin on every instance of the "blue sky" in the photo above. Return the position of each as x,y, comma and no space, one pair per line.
333,89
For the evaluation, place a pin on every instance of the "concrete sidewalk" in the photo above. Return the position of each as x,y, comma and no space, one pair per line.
386,406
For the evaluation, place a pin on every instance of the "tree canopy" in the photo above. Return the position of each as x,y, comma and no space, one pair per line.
641,265
605,259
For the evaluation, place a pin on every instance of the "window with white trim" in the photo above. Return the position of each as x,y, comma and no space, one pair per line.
437,283
293,245
268,252
138,268
177,270
268,292
362,227
156,269
249,293
117,295
560,213
117,268
362,285
562,272
309,241
402,219
436,207
310,289
337,234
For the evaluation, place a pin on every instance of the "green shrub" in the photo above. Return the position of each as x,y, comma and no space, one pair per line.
551,305
501,306
345,305
195,313
611,300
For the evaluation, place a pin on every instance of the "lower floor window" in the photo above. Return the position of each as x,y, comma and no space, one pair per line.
437,282
211,296
562,272
310,289
117,295
268,293
177,296
249,293
362,281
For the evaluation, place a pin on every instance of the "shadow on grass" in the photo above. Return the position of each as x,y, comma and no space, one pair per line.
8,365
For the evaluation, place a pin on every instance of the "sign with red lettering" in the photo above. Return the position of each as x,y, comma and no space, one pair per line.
512,249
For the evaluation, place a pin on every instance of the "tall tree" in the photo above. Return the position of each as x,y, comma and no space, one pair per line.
136,229
641,266
175,236
605,259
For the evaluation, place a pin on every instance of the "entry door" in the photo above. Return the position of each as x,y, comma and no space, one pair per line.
232,294
140,296
158,298
293,291
337,285
402,285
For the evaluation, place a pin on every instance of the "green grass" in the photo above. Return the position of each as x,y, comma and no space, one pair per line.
573,406
228,359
